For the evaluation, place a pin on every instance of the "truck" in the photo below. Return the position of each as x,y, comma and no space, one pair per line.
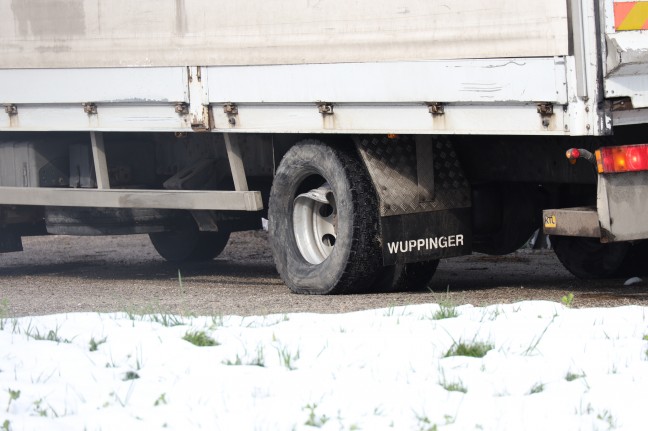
374,137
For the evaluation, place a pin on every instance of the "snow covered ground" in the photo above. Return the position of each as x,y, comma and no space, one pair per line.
546,367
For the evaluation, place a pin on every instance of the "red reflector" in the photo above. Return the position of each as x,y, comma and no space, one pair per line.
637,159
572,154
627,158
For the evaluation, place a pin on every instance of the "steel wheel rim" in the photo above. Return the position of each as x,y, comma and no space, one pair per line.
315,224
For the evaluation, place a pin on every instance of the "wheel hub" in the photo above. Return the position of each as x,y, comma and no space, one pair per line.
315,223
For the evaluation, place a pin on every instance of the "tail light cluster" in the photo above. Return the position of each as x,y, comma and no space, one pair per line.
627,158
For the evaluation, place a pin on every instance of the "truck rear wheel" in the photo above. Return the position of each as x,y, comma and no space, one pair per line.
635,261
418,275
323,220
588,258
188,244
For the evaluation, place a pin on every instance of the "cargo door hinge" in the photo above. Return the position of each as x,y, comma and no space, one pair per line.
436,108
90,108
325,108
231,109
11,109
182,108
545,109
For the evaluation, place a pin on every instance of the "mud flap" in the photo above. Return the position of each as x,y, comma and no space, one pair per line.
424,197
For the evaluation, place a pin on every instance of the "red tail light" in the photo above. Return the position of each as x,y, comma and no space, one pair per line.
627,158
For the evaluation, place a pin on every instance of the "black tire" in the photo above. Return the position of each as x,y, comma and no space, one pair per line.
188,244
408,277
635,262
418,275
355,258
588,258
389,279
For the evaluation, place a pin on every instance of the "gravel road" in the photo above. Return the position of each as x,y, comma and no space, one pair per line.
58,274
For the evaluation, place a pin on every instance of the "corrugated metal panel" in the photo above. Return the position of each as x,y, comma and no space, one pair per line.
94,33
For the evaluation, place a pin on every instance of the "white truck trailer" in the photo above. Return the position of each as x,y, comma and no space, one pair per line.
377,137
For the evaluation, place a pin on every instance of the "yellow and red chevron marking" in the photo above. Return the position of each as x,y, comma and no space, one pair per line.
631,15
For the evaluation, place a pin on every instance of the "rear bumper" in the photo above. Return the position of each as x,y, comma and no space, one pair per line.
621,213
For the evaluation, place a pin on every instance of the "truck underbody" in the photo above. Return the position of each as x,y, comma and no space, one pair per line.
370,161
466,194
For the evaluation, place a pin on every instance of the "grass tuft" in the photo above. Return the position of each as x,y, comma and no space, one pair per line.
160,400
451,386
257,361
130,375
155,314
313,419
425,424
568,300
537,388
40,410
445,311
607,417
473,349
13,396
52,335
236,361
168,320
455,387
570,377
94,344
287,358
200,339
447,308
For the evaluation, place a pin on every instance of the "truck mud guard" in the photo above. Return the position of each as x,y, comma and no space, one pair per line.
424,197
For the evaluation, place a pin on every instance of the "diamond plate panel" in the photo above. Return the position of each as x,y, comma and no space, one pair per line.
402,183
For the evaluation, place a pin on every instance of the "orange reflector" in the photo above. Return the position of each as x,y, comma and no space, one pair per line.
572,155
392,136
627,158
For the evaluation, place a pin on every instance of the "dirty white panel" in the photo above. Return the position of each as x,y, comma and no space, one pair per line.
501,80
109,118
401,118
633,116
120,85
622,197
626,65
95,33
627,53
626,72
520,119
632,86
